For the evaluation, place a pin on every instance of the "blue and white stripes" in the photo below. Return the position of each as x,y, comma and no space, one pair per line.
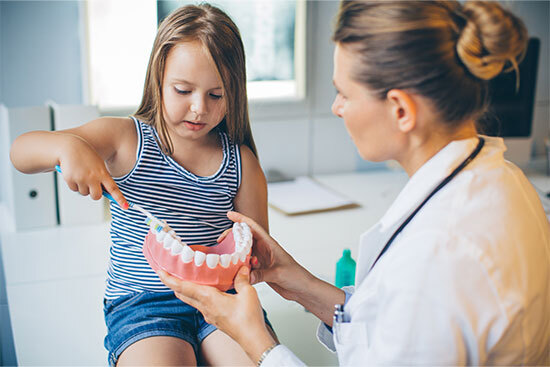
164,188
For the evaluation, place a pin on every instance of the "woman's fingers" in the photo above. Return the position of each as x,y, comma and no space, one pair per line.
223,235
179,288
177,285
256,229
263,241
242,279
196,295
256,276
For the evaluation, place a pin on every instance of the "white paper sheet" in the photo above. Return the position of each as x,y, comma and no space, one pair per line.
305,195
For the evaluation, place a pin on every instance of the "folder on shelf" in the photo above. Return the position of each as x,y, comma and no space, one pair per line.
28,201
304,195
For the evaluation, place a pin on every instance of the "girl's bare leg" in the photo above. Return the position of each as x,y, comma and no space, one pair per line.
158,351
218,349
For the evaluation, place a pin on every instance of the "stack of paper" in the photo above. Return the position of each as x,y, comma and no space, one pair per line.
305,195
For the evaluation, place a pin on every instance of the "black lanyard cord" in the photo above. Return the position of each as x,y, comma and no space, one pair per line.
439,187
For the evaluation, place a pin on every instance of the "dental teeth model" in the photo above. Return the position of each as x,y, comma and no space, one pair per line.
210,265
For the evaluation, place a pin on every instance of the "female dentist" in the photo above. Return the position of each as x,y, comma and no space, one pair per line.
457,270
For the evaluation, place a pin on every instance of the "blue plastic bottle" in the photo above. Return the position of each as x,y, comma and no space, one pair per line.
345,270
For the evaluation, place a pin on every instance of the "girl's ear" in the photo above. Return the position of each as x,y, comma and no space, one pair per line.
403,109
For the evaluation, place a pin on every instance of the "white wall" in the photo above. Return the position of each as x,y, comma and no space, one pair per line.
305,138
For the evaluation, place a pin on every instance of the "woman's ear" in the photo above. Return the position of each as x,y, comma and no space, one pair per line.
403,109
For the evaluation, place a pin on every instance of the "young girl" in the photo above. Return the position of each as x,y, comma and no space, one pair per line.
187,156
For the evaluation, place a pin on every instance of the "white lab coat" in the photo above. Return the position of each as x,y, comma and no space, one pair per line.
466,282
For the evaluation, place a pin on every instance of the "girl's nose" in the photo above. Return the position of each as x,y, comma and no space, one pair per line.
198,106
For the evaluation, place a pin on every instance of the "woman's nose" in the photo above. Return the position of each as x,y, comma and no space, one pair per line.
337,106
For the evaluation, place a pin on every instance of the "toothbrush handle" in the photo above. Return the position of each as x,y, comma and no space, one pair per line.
105,193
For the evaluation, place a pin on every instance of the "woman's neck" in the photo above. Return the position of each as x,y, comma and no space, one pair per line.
423,148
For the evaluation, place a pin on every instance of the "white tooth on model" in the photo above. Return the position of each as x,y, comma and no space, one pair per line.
187,255
167,242
248,244
235,258
160,236
242,255
238,232
176,247
225,259
199,258
238,238
212,260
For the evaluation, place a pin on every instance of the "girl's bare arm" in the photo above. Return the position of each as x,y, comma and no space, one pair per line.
251,199
82,154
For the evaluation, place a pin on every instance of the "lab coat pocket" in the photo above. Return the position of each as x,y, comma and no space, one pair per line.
350,333
351,342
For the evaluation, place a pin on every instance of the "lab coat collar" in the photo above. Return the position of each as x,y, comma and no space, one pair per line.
434,171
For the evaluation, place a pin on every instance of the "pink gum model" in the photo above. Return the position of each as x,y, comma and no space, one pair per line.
220,277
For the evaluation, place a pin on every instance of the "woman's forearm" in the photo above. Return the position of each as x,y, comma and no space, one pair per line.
317,296
256,343
320,299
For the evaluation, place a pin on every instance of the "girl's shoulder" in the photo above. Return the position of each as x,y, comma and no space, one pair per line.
246,154
120,122
115,124
122,133
251,169
107,131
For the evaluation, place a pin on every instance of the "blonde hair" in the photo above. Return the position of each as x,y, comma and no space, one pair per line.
221,37
442,50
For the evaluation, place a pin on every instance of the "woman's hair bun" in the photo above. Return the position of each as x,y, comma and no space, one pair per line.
491,40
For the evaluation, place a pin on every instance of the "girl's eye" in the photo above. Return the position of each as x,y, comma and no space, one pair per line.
179,91
215,96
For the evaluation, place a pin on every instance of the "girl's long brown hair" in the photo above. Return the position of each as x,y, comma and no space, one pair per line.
221,37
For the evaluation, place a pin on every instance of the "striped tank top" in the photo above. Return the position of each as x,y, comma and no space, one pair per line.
171,193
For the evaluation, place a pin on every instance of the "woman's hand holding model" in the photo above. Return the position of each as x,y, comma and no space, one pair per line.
240,315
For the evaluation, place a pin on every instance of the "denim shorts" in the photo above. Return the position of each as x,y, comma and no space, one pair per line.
141,315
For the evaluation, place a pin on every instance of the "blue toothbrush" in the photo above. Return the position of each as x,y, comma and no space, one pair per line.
149,218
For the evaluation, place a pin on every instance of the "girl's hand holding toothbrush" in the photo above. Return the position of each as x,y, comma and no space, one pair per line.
85,172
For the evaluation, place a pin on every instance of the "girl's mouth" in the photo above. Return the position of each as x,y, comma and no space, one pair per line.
194,126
